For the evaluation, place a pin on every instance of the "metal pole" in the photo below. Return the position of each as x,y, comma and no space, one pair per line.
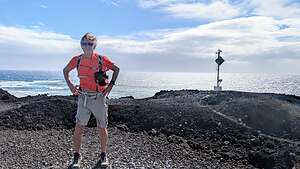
218,76
219,61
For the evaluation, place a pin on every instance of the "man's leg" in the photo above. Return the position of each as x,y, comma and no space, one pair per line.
103,138
77,144
77,137
82,118
99,109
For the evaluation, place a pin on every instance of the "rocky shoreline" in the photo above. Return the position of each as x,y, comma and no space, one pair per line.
172,129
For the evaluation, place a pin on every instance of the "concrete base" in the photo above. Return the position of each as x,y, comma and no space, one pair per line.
217,88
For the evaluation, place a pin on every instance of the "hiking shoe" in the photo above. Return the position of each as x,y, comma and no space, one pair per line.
76,161
103,160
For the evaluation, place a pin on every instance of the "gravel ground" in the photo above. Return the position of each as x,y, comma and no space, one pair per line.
53,149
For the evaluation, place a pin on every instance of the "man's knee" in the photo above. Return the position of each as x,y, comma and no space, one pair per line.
80,126
102,124
102,130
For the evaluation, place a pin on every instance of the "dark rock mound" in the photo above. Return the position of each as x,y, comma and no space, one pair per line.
273,114
175,93
221,124
201,129
5,96
267,158
127,97
179,119
44,114
267,114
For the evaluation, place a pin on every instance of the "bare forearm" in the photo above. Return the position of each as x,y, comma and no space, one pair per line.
66,76
115,75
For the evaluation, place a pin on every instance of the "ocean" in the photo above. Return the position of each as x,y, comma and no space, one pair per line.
146,84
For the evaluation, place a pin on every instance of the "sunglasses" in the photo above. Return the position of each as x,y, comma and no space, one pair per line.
87,44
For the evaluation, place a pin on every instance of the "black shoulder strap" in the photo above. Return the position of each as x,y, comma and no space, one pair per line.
100,61
78,61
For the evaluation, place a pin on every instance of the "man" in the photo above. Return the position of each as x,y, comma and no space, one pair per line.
92,92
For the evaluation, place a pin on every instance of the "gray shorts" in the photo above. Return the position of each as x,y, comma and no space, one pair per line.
92,102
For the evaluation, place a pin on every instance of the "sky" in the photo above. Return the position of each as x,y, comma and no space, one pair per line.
154,35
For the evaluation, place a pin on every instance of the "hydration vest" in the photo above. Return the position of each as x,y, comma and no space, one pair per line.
99,75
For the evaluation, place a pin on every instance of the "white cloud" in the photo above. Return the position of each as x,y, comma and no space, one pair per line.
214,10
245,41
44,6
242,36
45,40
22,48
128,46
154,3
38,25
248,44
41,24
276,8
237,62
115,3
